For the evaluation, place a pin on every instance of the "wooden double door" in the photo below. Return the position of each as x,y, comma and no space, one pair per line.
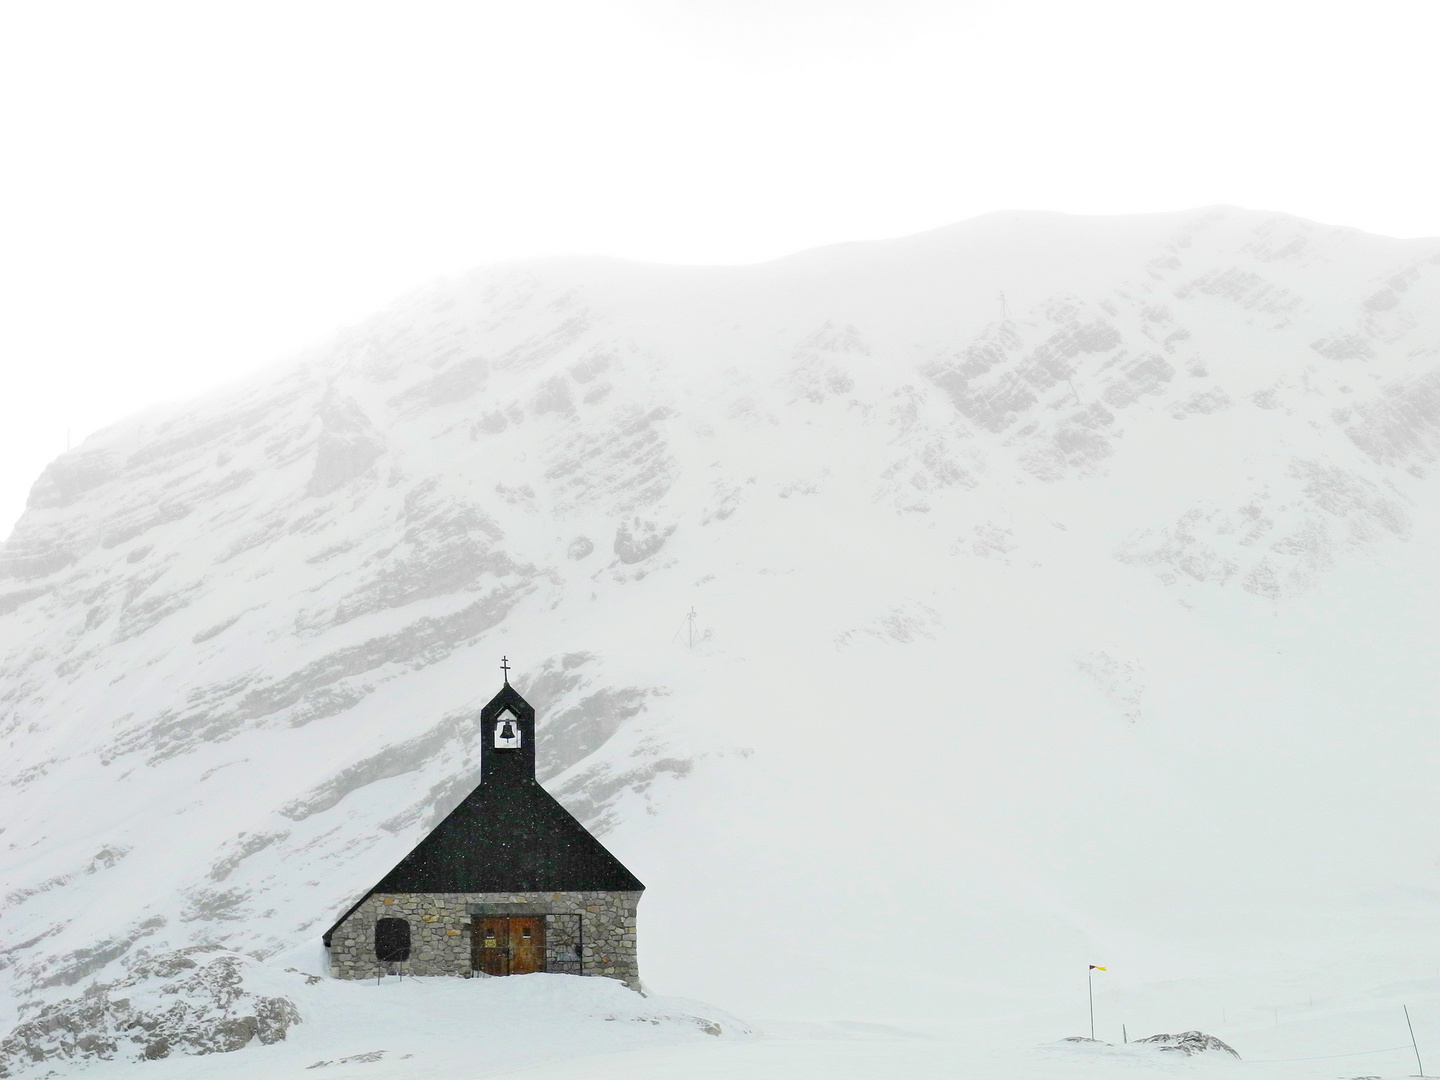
507,944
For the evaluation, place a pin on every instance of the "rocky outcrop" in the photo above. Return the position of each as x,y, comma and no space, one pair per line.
1189,1043
190,1001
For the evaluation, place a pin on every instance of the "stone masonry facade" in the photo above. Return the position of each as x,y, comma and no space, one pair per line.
440,927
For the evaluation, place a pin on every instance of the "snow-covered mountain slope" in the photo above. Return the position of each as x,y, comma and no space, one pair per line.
1064,590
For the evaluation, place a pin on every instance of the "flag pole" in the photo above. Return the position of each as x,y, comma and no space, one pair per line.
1090,986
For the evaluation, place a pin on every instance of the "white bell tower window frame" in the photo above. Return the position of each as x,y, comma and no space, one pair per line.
507,731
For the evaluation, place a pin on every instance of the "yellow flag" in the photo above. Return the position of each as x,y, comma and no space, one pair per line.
1096,967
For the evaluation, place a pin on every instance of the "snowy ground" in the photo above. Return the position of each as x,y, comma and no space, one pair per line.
560,1026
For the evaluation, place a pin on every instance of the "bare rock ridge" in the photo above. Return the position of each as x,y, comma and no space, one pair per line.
182,1002
1189,1043
254,630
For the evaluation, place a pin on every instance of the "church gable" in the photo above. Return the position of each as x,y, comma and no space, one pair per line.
509,834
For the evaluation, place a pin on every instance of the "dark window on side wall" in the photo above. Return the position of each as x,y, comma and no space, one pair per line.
392,941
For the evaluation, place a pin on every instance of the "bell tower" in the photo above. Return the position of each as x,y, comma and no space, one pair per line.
507,731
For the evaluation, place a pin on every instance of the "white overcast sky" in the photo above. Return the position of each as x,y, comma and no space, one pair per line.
191,191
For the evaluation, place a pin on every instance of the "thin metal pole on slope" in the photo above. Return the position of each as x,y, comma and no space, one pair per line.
687,628
1412,1039
1090,985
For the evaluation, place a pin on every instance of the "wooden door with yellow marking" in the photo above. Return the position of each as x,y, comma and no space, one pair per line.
527,944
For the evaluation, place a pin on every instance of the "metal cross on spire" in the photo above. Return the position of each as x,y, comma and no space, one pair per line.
505,670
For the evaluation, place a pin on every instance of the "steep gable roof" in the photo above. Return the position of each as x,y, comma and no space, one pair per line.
509,839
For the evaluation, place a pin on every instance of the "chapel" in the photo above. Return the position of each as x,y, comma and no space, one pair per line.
508,883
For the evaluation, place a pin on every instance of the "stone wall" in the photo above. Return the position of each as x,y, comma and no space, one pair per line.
440,932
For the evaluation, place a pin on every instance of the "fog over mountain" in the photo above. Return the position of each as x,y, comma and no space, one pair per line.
1064,592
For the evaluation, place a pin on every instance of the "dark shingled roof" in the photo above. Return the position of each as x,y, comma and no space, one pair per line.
509,834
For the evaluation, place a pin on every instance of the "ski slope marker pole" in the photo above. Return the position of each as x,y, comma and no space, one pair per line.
1412,1039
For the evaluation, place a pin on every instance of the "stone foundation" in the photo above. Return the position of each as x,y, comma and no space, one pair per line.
440,932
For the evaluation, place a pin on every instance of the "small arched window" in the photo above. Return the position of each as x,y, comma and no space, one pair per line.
392,941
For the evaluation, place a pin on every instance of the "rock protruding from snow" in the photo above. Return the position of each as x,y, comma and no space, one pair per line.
183,1002
1189,1043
